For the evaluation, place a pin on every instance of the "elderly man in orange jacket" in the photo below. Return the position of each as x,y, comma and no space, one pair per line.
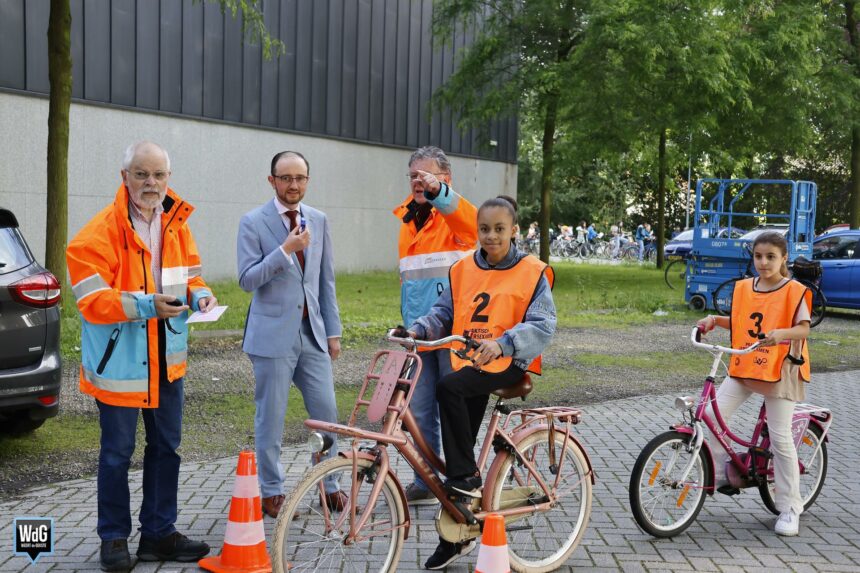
438,228
135,273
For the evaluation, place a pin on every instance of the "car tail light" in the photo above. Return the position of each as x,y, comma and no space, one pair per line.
39,291
48,400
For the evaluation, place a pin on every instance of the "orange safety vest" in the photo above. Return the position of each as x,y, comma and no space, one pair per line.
487,302
755,313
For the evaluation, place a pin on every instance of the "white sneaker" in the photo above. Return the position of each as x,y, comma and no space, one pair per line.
788,523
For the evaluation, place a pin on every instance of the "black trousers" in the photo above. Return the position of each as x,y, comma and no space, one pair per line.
463,397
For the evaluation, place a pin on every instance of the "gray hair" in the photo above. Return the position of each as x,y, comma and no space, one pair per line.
434,153
132,150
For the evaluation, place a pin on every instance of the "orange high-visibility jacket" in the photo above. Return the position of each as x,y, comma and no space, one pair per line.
451,231
487,302
755,313
110,270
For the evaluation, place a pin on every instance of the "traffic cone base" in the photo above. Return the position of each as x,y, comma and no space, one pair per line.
244,548
493,553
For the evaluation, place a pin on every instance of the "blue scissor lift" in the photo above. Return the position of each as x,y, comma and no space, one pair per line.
714,260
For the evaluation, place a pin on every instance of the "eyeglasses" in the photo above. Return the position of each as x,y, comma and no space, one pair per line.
288,179
412,176
144,175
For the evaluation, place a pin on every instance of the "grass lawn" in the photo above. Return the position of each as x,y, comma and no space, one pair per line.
585,295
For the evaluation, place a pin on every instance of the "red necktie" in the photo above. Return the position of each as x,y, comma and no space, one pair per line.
300,255
293,215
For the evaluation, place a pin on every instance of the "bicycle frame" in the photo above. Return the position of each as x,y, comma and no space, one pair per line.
748,466
396,382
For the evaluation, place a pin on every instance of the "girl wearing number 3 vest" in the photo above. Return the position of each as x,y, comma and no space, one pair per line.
502,297
775,310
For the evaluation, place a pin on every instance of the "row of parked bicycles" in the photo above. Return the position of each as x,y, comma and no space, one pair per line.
572,248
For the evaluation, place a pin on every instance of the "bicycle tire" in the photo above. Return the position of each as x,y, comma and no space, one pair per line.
819,303
670,275
721,298
525,553
287,550
813,487
649,466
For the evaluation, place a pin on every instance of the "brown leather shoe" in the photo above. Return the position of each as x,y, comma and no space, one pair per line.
272,505
338,501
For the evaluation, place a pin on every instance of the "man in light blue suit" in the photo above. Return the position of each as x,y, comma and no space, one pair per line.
293,329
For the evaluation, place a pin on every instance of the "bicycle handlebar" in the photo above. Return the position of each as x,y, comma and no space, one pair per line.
426,343
696,337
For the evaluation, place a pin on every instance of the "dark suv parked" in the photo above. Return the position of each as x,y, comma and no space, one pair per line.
30,368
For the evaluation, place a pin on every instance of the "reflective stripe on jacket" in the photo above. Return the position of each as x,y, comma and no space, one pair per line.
449,233
488,302
110,270
755,313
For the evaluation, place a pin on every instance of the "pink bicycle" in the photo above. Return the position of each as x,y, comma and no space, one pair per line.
540,480
675,470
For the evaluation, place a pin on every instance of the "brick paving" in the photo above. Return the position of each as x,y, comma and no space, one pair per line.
731,534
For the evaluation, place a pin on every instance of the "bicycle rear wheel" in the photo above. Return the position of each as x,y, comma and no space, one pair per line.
543,541
722,297
307,537
662,505
675,274
812,457
819,303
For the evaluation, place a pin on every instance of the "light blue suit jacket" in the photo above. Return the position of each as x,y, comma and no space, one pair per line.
280,288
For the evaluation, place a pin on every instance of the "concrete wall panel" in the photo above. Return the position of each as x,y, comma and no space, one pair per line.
221,169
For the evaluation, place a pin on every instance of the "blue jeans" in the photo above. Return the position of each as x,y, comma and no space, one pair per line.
641,244
163,426
436,364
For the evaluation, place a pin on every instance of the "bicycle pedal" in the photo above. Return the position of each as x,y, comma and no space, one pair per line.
728,490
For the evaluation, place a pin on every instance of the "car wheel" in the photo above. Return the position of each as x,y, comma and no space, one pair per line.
20,423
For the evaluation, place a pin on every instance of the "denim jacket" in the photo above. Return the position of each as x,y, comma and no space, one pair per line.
524,341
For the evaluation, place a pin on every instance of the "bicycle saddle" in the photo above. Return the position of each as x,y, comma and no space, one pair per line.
519,390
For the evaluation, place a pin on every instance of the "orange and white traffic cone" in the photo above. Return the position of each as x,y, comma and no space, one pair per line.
245,538
493,553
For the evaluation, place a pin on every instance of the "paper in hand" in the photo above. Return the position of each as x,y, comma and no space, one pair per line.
210,316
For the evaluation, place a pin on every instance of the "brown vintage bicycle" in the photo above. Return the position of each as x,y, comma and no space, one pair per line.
540,479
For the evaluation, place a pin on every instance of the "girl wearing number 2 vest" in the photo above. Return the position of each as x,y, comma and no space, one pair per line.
502,297
775,310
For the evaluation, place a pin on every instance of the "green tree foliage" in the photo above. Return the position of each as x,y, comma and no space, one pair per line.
737,88
522,50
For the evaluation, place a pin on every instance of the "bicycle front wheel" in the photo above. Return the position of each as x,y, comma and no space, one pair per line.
543,541
812,458
662,504
309,536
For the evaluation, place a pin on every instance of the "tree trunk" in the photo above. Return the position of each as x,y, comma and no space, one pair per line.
546,172
854,194
661,199
60,76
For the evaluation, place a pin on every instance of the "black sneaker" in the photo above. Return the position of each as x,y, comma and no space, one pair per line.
114,555
447,552
469,486
174,547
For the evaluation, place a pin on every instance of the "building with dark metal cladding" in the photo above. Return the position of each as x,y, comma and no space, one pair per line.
351,92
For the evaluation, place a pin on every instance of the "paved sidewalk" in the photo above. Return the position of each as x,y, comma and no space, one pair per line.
732,534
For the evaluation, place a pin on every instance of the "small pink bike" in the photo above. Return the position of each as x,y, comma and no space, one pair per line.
675,470
540,480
